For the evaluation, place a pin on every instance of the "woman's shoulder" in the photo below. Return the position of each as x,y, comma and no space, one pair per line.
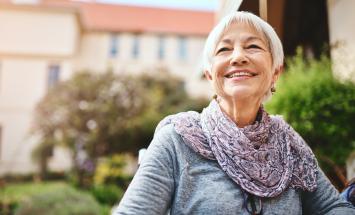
165,134
169,147
179,118
297,143
279,124
168,129
279,121
175,132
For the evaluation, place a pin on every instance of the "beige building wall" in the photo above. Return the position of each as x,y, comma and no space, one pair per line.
94,55
35,31
23,84
17,97
341,19
92,52
30,41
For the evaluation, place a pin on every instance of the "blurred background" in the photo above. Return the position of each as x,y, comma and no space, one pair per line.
83,85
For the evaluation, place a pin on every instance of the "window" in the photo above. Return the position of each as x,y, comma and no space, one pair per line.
53,75
135,47
161,47
114,43
182,48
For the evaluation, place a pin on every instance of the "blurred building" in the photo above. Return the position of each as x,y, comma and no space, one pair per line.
43,42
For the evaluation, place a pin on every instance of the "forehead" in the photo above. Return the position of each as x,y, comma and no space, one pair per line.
241,31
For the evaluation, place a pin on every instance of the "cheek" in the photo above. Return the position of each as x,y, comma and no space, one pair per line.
218,67
216,73
266,68
263,60
266,83
217,80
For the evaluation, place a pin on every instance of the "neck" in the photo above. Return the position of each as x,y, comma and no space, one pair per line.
242,113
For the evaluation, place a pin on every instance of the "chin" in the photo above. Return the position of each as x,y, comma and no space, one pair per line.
239,92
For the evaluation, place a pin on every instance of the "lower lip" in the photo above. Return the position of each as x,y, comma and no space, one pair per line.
240,78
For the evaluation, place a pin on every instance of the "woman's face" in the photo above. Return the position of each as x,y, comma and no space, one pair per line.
242,64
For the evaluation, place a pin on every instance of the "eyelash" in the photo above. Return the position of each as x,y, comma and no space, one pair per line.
253,46
222,49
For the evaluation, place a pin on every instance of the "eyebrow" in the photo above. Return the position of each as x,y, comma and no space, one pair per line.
247,39
253,38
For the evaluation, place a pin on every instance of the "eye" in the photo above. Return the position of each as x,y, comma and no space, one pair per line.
253,46
222,50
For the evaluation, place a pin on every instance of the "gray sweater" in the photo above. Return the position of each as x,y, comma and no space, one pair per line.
173,177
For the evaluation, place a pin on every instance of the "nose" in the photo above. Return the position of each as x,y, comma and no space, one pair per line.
238,57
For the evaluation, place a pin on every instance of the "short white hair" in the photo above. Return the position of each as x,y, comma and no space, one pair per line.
274,42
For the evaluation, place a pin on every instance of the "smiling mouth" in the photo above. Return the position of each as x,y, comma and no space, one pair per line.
240,74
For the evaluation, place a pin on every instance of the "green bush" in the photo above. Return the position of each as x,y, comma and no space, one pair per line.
63,201
12,194
7,207
318,106
107,194
111,170
120,115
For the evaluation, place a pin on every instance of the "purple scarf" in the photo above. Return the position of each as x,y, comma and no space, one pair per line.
264,158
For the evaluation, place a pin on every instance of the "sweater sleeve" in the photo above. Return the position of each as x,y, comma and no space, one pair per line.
152,187
325,199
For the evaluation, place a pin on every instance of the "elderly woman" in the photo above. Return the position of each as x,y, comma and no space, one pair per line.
233,158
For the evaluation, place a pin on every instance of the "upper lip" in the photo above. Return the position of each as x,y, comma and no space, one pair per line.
239,71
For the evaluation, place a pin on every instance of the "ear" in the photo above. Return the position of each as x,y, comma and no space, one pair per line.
208,75
277,73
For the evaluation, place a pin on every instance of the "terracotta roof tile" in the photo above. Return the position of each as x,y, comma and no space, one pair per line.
125,18
118,18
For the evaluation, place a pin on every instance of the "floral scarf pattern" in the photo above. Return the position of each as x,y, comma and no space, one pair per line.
264,158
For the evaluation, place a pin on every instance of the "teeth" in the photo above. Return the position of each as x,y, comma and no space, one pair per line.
238,74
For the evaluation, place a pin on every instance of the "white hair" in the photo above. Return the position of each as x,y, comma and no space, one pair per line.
274,43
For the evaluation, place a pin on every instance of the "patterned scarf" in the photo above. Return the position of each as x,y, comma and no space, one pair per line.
264,158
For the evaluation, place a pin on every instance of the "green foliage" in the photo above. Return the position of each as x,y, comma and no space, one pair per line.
16,192
90,108
63,201
107,194
111,179
29,198
103,113
165,95
7,206
105,110
111,170
318,106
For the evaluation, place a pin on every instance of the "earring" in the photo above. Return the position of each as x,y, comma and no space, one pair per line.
215,97
273,89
